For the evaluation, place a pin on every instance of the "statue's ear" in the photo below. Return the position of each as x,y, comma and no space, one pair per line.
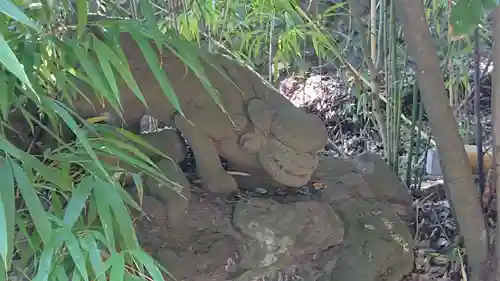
261,115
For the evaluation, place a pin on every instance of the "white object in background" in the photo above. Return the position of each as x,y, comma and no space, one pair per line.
433,165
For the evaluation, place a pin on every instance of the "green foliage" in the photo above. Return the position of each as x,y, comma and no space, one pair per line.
466,15
261,33
64,214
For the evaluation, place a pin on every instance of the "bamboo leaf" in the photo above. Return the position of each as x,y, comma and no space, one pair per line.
95,75
10,61
122,215
122,68
114,133
10,9
104,210
30,237
3,271
117,267
76,253
45,265
7,195
76,276
110,76
139,186
185,52
95,257
37,212
49,174
77,202
92,212
467,14
4,242
155,67
5,97
59,109
60,273
128,198
149,263
130,277
147,11
57,205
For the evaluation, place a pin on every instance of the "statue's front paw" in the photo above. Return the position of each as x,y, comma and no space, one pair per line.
223,183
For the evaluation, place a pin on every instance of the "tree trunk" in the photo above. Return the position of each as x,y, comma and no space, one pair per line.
496,123
461,190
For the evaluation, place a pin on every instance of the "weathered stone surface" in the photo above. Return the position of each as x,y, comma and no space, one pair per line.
199,249
367,177
377,244
354,232
286,236
373,204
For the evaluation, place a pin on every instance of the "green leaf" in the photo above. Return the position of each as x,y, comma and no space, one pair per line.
3,271
77,202
76,276
155,67
4,242
10,9
122,215
60,110
149,263
95,257
110,76
104,210
95,75
117,267
5,97
76,253
26,254
92,212
49,174
45,264
139,186
489,5
57,205
128,198
184,50
122,68
467,14
61,273
114,133
132,157
7,195
147,11
10,61
130,277
121,146
37,212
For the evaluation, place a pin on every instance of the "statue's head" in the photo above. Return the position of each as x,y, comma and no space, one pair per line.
286,141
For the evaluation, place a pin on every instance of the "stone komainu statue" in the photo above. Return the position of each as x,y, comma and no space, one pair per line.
264,131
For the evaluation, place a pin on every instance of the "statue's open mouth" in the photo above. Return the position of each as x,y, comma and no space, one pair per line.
277,165
287,166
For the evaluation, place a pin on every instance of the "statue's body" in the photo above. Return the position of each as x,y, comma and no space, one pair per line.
264,131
